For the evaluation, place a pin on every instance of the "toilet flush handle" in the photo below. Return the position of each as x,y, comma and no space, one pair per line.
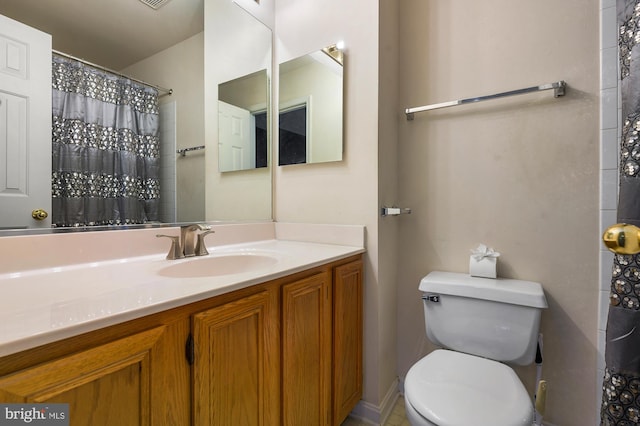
431,297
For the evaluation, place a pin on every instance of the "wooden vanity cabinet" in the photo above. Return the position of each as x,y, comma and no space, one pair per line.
306,351
126,381
322,345
235,362
286,352
347,338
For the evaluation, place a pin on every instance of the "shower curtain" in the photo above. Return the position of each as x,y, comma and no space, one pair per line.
621,390
105,154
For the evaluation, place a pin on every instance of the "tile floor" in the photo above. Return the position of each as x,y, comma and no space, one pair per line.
396,418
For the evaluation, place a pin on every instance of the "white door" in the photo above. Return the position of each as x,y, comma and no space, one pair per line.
25,125
234,138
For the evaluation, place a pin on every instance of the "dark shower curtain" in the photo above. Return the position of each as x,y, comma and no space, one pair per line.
621,390
105,159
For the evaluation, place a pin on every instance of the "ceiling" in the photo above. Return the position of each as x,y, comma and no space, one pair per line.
111,33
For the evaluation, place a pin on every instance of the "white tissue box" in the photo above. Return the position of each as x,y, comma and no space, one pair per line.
485,267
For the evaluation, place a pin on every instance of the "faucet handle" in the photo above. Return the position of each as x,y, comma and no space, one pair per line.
175,252
201,248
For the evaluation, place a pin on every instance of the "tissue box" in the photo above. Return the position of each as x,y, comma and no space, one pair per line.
485,267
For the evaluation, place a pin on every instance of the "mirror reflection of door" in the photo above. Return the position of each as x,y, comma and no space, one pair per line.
25,126
293,135
234,138
317,76
242,123
261,131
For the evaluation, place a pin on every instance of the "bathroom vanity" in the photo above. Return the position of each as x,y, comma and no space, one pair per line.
281,346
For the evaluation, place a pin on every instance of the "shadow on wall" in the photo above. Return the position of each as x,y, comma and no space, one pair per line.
556,358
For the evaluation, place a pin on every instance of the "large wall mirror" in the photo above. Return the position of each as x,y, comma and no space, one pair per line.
238,62
166,46
310,108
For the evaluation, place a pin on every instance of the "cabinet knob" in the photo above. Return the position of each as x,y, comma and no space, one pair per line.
39,214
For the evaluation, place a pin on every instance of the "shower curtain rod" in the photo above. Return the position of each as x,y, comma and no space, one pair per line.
100,67
558,90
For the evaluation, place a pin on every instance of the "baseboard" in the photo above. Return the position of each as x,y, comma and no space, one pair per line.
401,385
374,414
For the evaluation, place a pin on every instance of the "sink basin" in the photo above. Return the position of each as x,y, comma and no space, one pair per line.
212,266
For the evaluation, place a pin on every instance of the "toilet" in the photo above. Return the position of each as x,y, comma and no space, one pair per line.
482,325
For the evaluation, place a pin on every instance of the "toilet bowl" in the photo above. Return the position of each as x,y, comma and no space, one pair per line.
448,388
481,325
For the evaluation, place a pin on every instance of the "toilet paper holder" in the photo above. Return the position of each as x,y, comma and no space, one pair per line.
394,211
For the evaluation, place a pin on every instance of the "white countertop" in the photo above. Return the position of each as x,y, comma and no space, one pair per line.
39,306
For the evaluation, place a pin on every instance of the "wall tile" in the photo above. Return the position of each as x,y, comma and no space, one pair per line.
608,189
603,307
602,334
607,218
606,263
609,149
609,109
609,68
610,134
608,25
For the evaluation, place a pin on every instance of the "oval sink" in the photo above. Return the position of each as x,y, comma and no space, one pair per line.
217,265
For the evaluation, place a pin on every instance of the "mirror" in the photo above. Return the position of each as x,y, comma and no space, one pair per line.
174,66
243,117
238,63
310,108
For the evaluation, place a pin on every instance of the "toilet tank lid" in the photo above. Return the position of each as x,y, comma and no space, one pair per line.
505,290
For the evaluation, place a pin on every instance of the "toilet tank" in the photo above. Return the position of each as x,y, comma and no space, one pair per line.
497,319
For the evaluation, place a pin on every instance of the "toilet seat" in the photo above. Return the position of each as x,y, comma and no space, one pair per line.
450,388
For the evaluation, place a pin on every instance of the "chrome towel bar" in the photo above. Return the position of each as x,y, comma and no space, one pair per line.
184,151
558,90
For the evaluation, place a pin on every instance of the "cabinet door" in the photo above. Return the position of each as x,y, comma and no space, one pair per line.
306,351
235,378
347,331
106,385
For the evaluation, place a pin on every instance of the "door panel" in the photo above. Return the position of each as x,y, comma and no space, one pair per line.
234,138
306,351
107,385
25,125
347,335
233,370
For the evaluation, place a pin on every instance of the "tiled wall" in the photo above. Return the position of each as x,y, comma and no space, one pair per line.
609,136
168,162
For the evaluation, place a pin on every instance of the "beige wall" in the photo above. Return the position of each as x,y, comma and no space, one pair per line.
519,174
181,68
345,192
390,246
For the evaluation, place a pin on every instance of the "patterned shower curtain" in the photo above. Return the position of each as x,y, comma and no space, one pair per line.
621,390
105,159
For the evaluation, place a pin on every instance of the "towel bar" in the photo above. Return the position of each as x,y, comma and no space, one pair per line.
558,90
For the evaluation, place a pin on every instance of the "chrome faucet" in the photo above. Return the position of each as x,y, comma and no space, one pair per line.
188,235
185,245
